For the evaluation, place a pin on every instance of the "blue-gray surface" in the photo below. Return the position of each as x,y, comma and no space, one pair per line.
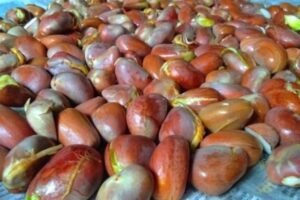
7,4
295,2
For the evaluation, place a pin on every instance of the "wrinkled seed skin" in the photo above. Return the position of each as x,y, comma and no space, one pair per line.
169,51
226,115
228,90
260,106
283,163
30,47
230,42
137,17
128,43
183,73
90,22
134,182
126,150
271,84
120,93
65,62
197,98
240,62
101,79
110,120
145,115
41,118
89,106
129,72
111,32
94,50
254,78
75,128
56,23
243,33
203,36
65,47
223,30
60,101
73,85
283,98
170,166
38,61
14,128
224,76
286,123
236,138
209,177
18,180
34,78
214,48
166,87
50,40
265,52
284,36
35,10
267,132
162,32
152,64
63,176
107,59
207,62
179,121
15,96
134,57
